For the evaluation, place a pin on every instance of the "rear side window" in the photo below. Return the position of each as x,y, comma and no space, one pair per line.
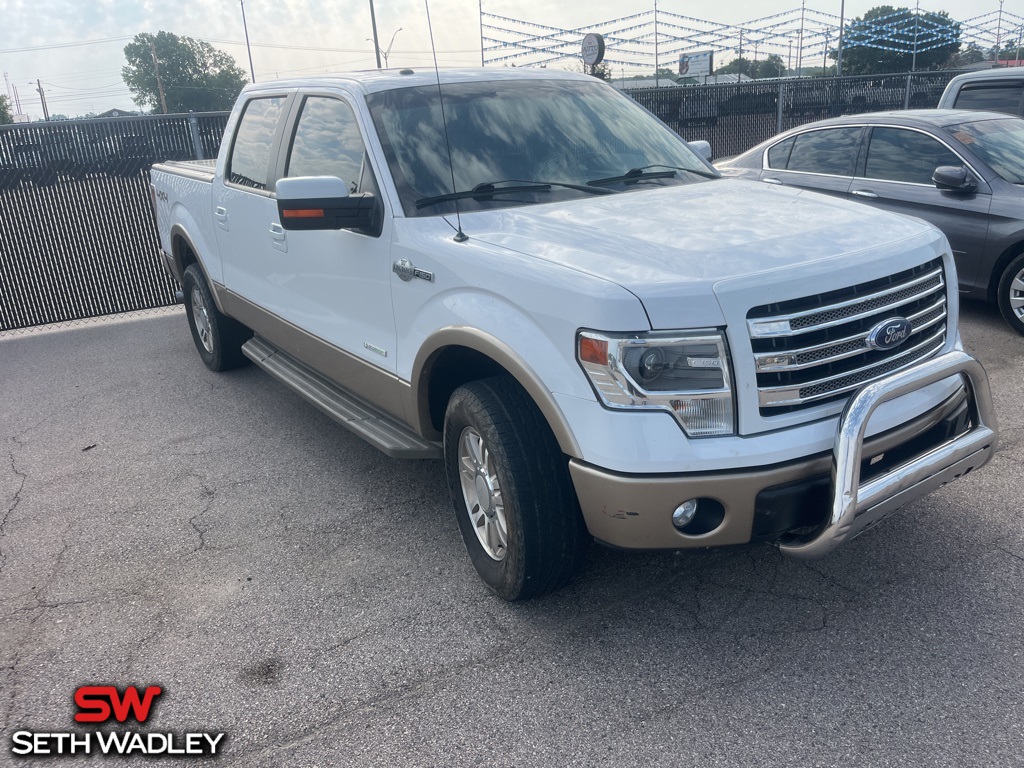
327,142
900,155
249,164
832,152
1005,97
778,156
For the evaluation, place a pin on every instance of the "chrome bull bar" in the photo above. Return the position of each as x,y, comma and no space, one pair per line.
856,507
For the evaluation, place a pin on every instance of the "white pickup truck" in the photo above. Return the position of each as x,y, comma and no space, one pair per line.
529,276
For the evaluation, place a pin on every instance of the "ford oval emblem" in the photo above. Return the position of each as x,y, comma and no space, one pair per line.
890,333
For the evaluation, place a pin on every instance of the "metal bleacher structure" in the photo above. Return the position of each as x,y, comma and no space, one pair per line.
802,37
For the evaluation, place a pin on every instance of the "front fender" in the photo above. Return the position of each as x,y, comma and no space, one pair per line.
520,369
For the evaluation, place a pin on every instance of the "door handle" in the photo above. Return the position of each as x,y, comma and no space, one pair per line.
865,194
277,232
772,181
220,214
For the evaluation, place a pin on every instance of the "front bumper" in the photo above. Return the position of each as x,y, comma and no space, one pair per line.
820,500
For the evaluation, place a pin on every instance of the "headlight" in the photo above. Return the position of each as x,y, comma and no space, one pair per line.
686,374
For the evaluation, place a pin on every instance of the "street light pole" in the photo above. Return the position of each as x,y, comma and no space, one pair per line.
248,48
376,41
387,52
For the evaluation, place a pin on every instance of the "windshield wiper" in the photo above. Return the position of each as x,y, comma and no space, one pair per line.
633,175
486,190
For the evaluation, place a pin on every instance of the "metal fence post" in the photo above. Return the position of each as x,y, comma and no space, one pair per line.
778,126
197,141
906,96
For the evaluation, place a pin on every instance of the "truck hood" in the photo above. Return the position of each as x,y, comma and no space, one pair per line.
670,246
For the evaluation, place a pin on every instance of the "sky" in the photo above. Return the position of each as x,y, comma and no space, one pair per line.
75,47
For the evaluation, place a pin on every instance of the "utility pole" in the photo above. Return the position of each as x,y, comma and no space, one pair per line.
917,17
999,33
800,50
376,41
248,48
657,83
159,82
839,54
42,100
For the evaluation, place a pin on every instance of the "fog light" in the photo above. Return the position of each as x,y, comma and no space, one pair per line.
684,513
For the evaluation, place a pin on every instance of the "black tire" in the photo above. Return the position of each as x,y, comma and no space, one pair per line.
1011,290
546,538
218,338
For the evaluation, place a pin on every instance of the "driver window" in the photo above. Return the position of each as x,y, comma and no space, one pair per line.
327,142
896,154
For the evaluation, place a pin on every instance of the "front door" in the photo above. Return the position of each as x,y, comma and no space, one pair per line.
338,282
897,176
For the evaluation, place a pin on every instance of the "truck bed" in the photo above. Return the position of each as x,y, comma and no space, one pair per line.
201,170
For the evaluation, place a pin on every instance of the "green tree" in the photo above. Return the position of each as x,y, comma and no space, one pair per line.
601,71
770,66
885,38
1011,49
194,74
5,111
738,66
970,54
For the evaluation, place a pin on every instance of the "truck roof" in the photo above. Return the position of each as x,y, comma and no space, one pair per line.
373,80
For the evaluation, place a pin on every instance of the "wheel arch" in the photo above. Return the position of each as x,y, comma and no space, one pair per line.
184,253
455,356
1008,255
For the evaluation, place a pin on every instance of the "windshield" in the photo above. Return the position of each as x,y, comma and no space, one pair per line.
569,136
1000,143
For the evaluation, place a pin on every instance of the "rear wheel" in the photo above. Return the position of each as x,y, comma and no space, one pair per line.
510,486
218,338
1011,294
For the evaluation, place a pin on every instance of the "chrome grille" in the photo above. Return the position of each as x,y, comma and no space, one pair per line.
815,349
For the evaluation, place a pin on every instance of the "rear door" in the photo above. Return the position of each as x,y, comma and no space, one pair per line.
244,210
896,175
823,159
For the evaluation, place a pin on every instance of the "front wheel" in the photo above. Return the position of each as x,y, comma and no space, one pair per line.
510,486
218,338
1011,294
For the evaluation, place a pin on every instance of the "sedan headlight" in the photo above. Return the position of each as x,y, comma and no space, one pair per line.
684,373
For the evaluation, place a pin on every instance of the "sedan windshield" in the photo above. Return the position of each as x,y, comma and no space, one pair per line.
1000,143
523,141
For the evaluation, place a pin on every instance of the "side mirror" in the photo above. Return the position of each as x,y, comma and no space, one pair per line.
953,178
322,202
702,148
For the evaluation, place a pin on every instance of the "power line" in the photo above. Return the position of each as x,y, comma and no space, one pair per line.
66,45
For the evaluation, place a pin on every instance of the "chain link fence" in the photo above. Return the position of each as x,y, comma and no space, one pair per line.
735,117
77,238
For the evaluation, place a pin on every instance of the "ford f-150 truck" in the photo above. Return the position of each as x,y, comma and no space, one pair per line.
527,275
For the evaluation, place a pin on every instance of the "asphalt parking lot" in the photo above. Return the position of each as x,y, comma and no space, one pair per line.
290,586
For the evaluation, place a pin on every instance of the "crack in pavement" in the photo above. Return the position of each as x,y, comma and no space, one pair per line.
406,690
15,501
210,495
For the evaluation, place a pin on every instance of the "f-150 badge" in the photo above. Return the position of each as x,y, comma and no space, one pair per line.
405,270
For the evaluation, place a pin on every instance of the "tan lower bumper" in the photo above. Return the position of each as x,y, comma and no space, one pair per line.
635,511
